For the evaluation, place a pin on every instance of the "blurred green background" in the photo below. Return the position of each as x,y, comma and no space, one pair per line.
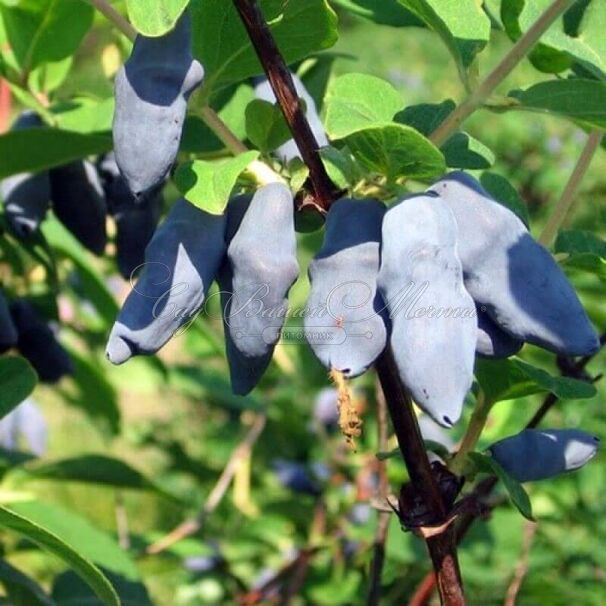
179,423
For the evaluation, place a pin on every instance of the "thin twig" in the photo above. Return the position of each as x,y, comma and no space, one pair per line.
256,596
284,89
261,172
472,434
378,559
500,72
424,591
105,8
530,529
224,134
192,526
122,522
565,204
485,487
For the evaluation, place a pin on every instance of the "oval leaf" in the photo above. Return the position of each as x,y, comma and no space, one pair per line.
155,17
517,494
17,381
208,185
36,149
52,543
463,26
46,30
578,99
395,150
96,469
509,379
355,101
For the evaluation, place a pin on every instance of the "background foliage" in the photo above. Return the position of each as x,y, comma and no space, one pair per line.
135,450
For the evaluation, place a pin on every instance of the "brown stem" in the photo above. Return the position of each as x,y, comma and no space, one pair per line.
256,596
487,485
442,547
424,591
530,529
283,86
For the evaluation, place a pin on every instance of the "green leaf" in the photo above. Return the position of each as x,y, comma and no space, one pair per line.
17,381
464,151
45,31
97,470
93,393
577,241
395,150
589,263
562,387
356,101
69,590
585,251
578,36
342,169
223,47
50,542
233,113
50,76
461,150
341,166
20,589
579,99
426,117
37,149
517,493
89,542
462,24
40,252
265,125
208,185
30,101
155,17
512,378
93,283
199,139
545,58
85,115
384,12
506,194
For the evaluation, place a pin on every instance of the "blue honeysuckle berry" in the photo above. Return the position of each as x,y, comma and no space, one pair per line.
514,277
434,333
538,454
